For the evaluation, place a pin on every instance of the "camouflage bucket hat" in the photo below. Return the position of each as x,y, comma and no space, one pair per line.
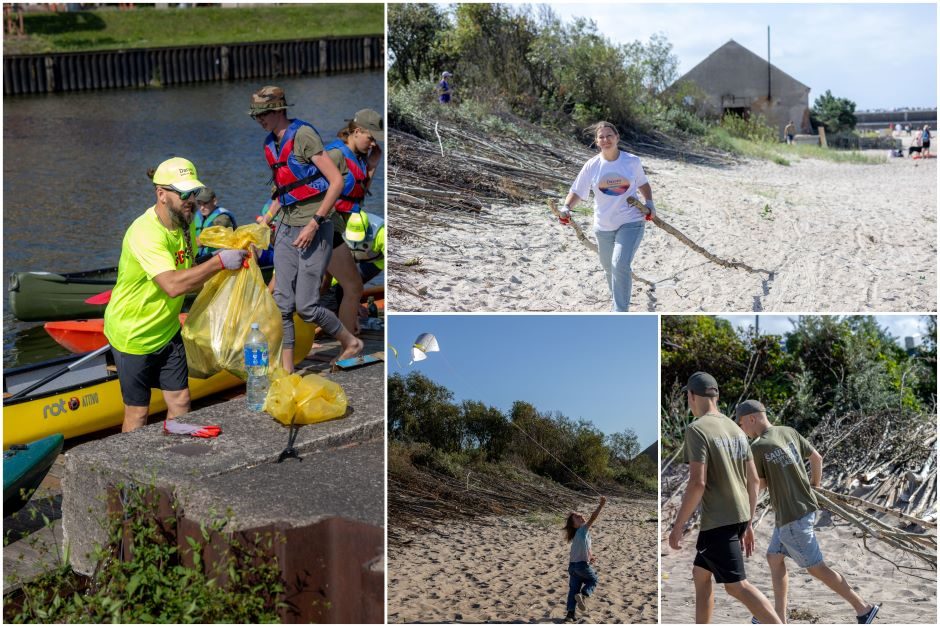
268,98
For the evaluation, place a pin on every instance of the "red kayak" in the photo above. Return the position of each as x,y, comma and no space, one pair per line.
82,336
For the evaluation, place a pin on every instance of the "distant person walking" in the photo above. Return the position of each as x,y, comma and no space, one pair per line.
306,184
790,132
443,88
722,477
779,453
925,141
613,176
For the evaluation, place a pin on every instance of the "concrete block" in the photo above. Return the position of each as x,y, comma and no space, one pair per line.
341,477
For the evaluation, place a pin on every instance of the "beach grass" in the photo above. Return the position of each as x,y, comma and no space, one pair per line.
148,27
783,154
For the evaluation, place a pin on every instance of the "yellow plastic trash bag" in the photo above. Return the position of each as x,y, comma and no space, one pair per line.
305,400
221,317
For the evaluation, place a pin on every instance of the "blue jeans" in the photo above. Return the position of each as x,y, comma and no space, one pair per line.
797,540
616,250
580,574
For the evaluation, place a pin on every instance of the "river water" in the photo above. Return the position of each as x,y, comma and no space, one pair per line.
74,168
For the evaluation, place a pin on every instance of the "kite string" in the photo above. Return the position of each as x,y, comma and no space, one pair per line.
537,443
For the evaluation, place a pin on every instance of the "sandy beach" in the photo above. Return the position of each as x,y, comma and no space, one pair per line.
837,237
514,569
906,599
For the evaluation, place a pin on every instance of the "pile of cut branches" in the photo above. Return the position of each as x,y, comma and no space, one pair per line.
887,458
420,495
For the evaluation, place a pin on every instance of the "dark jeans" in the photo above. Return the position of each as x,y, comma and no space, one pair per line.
580,574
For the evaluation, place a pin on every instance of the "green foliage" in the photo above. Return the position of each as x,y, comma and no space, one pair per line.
836,114
147,27
154,584
446,437
525,58
414,32
754,128
825,366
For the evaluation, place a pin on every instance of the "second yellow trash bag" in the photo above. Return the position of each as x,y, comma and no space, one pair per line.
221,317
305,400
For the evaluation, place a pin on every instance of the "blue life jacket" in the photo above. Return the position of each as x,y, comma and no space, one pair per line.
201,223
294,181
353,183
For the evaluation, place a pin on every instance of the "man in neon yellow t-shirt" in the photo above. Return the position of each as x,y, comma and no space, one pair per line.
155,272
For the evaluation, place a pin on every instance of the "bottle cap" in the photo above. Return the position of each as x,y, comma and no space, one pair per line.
254,325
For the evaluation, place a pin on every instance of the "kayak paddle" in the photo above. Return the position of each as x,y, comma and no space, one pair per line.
58,373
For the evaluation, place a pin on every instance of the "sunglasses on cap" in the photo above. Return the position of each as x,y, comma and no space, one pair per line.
182,195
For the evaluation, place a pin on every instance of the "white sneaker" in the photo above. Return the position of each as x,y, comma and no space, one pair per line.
580,600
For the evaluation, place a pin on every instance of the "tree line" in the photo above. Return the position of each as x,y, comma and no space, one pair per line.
561,75
825,367
549,444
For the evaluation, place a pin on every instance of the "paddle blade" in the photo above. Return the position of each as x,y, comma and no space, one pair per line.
99,299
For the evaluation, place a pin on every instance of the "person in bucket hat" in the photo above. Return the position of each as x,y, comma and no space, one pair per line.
722,477
155,272
306,184
779,453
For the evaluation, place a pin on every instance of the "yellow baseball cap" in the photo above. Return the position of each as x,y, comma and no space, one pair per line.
356,227
178,173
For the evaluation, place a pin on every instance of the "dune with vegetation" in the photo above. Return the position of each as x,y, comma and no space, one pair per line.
477,499
800,228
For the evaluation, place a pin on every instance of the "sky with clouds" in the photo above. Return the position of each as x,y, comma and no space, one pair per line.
881,56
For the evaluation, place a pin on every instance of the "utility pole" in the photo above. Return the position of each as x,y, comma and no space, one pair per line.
768,65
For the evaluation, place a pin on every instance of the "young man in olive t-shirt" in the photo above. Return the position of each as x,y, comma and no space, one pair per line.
779,453
723,478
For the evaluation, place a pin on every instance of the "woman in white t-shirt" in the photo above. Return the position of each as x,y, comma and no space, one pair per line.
613,176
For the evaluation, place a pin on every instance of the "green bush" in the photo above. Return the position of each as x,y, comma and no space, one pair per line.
753,128
154,585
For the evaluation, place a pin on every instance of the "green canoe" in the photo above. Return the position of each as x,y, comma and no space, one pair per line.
47,296
24,467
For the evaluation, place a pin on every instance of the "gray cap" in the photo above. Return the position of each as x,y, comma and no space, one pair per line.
746,408
371,121
205,194
702,384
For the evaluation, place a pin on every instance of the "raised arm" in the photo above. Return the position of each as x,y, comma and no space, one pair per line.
597,511
690,500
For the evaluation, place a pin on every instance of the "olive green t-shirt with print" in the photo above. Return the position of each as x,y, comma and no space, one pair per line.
714,440
307,145
779,454
141,318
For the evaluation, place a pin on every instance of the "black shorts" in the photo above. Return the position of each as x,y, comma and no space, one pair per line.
165,369
718,550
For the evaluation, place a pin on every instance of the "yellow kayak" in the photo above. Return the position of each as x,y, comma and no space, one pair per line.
87,397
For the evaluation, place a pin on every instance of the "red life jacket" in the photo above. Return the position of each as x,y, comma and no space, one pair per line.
353,183
294,180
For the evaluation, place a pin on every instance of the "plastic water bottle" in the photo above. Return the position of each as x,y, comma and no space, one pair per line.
256,365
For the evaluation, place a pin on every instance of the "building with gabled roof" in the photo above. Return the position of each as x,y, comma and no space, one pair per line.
732,79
